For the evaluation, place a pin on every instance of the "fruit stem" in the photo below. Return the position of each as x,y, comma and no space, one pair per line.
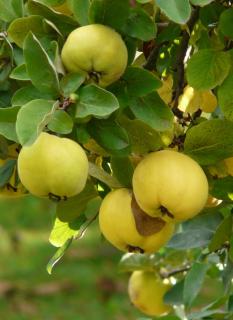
56,198
10,187
132,249
166,212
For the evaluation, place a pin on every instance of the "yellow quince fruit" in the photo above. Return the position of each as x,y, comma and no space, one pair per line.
191,100
53,166
208,101
165,91
117,223
96,51
146,291
170,185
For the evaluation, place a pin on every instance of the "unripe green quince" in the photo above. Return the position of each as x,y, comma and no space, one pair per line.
146,291
97,51
117,224
53,166
171,185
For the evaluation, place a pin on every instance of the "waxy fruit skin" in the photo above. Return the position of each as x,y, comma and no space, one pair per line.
117,224
98,52
53,166
171,185
146,291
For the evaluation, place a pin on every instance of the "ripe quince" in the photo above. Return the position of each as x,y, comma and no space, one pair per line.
96,51
118,225
146,291
170,185
53,166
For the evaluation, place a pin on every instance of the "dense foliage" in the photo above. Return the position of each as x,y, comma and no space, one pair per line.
176,92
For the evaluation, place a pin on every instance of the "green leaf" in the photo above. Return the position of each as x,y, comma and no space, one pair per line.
222,188
230,303
210,220
61,122
18,7
210,141
206,313
222,234
71,82
190,239
123,170
40,68
201,3
64,23
63,231
8,9
231,249
178,11
143,138
135,261
58,255
32,118
3,148
80,8
7,123
19,29
110,136
6,171
225,23
95,101
20,73
193,282
140,25
71,209
166,318
52,3
227,275
137,82
209,15
27,94
175,295
104,12
225,97
152,110
101,175
207,69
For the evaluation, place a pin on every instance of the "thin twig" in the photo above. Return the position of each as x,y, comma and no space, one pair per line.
165,275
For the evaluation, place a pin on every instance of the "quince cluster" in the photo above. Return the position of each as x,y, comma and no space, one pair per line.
167,186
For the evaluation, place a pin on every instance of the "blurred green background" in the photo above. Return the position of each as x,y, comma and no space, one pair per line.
84,285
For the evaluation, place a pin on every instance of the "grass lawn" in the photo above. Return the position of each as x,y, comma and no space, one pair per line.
85,285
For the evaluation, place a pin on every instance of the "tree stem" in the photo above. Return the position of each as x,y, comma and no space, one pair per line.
180,62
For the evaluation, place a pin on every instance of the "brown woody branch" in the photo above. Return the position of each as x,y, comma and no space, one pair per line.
180,61
150,63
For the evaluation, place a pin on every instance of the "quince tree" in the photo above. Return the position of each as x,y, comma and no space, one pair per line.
122,112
